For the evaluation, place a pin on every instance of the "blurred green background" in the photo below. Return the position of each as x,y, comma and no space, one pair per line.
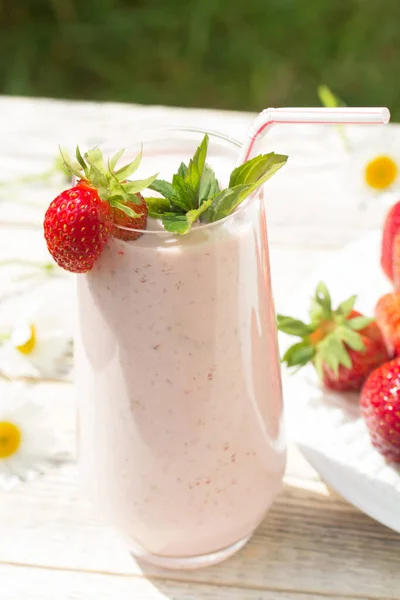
205,53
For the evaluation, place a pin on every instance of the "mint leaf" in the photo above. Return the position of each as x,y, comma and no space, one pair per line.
209,185
176,223
195,214
186,198
195,187
164,188
256,168
182,223
157,207
225,202
182,170
293,326
196,166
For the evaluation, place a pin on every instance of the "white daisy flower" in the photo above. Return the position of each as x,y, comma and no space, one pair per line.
374,166
39,342
25,440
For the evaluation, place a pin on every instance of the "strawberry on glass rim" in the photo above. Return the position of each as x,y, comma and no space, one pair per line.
343,345
79,221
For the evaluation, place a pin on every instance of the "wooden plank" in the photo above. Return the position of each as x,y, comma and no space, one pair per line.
19,583
307,537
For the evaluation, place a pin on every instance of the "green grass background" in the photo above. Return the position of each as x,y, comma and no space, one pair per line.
210,53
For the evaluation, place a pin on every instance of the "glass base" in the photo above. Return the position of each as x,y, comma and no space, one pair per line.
190,562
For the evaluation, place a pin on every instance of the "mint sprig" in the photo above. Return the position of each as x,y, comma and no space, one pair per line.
194,194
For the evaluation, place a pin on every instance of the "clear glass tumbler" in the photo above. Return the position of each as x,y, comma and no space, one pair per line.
181,438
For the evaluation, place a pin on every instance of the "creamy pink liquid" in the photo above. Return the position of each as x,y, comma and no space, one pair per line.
179,389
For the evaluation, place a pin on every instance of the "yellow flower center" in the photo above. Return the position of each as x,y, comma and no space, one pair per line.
10,439
381,172
25,339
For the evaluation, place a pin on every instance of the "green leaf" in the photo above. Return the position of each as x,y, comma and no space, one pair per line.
81,161
128,170
94,158
116,203
114,159
157,206
182,223
322,297
208,185
196,166
195,214
358,323
176,223
256,168
69,166
293,326
352,339
185,198
225,202
298,354
182,170
328,98
164,188
333,353
140,184
345,308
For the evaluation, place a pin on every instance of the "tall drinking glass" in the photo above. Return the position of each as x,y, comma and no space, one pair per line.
181,438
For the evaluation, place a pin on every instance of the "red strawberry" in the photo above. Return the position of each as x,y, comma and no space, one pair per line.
121,219
76,227
387,312
78,222
390,249
380,407
343,345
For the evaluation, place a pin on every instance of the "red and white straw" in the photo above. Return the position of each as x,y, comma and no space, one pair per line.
321,116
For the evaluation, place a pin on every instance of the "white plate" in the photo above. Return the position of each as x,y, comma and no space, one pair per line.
327,426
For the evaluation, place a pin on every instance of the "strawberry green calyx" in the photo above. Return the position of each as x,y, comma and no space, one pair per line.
325,340
111,184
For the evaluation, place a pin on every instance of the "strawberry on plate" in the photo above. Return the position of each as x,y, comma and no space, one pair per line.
387,313
390,249
380,408
342,344
78,223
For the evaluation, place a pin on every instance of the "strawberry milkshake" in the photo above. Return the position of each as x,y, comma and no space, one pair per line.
180,408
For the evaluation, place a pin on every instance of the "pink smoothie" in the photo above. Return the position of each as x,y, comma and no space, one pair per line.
179,393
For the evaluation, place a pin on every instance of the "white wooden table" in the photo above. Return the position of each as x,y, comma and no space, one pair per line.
313,545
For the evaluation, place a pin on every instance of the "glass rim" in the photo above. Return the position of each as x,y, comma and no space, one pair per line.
183,129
